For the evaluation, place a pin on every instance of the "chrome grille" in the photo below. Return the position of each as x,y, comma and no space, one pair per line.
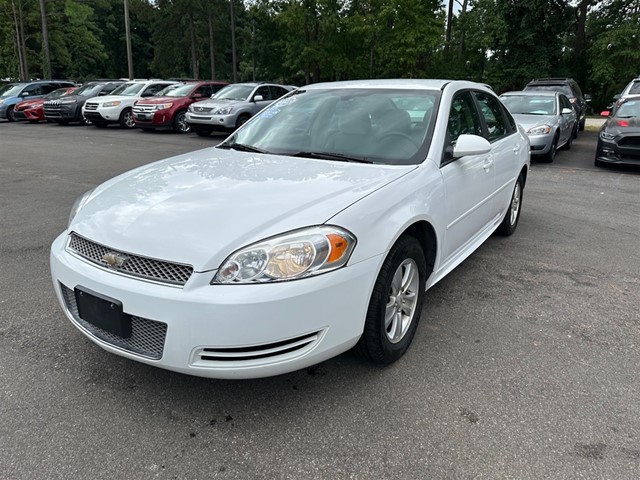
135,265
90,106
144,109
198,109
147,336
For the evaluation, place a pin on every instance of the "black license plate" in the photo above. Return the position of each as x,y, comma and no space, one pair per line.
103,312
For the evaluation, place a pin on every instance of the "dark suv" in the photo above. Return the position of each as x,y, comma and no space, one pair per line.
69,108
570,88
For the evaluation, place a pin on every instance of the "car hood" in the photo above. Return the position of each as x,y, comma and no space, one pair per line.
116,98
612,127
200,207
530,121
220,102
30,104
157,100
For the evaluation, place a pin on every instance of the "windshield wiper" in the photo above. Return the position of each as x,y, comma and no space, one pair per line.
241,147
331,156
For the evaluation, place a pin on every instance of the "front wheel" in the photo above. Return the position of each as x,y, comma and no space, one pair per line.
180,124
395,305
242,119
551,154
11,113
126,119
511,217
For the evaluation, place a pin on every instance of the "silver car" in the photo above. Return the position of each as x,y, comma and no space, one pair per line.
232,106
547,117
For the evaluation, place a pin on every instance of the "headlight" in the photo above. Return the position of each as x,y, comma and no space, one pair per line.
111,104
163,106
78,204
1,102
606,136
299,254
67,102
223,111
540,130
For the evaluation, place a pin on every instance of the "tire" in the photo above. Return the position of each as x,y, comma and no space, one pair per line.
202,132
242,119
550,156
11,113
575,131
395,305
84,120
180,124
126,119
512,215
567,146
581,126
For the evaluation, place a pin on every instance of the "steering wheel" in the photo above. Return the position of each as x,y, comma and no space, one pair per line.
400,135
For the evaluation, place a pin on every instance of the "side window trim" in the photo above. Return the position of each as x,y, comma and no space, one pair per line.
510,131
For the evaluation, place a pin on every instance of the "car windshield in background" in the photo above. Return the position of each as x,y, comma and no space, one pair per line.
635,89
566,89
57,93
530,105
629,109
175,91
11,90
128,89
234,92
359,125
88,90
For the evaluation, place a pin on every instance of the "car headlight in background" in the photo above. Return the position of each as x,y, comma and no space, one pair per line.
299,254
223,111
606,136
77,205
163,106
540,130
111,104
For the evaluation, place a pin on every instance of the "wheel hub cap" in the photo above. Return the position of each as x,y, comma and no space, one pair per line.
401,304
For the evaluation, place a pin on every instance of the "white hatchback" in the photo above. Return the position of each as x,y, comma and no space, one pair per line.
315,228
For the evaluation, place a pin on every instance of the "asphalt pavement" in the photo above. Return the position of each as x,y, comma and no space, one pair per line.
525,364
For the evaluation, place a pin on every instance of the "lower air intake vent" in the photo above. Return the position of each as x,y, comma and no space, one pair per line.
147,336
257,352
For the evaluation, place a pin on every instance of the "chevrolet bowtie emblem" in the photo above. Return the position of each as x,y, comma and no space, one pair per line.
114,260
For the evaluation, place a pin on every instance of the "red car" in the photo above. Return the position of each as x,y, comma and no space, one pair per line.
33,110
167,110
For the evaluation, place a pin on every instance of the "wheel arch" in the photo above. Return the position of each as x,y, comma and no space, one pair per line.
424,232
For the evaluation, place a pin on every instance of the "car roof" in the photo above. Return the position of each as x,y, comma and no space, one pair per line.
391,83
537,93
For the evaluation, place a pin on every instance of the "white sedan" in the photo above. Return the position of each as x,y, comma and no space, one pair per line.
315,228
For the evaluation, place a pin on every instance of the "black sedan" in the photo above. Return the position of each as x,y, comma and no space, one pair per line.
619,138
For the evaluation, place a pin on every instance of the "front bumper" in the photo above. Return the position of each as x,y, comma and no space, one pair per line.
61,112
158,119
215,122
624,150
108,115
540,144
228,331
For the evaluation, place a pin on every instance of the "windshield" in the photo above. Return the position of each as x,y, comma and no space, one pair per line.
234,92
530,104
128,89
628,109
175,91
57,93
89,89
365,125
12,90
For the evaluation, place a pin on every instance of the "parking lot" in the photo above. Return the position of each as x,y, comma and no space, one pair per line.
525,364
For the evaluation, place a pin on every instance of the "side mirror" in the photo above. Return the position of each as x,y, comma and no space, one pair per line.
587,97
605,113
102,93
258,98
24,94
566,111
471,145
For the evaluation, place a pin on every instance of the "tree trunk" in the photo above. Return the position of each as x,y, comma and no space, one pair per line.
581,21
447,40
463,11
212,56
128,39
233,43
22,44
46,58
194,52
18,44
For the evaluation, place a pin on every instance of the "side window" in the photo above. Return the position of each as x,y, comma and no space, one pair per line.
108,88
204,90
154,88
33,90
277,92
494,116
265,92
463,117
215,88
49,87
565,103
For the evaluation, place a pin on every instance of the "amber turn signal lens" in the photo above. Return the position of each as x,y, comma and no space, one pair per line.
339,245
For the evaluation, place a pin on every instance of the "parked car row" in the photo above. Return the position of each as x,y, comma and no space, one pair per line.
14,93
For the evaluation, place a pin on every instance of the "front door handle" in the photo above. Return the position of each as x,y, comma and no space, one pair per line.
488,163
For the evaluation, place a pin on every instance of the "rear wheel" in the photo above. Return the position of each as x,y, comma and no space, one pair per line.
396,303
510,220
126,119
180,124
